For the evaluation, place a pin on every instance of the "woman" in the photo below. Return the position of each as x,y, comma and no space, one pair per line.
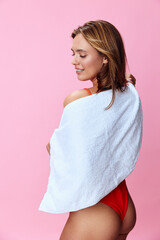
99,56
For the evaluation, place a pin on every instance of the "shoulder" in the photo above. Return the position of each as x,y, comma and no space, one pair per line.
75,95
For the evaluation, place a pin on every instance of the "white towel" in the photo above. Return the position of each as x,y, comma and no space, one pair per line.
93,149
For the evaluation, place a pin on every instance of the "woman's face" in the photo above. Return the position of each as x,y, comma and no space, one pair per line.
86,59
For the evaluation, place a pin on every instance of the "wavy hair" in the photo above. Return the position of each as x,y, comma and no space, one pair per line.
106,39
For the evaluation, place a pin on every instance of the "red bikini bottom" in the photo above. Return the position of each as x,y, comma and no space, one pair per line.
118,199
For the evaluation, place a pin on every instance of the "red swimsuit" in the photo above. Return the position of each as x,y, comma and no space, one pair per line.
118,198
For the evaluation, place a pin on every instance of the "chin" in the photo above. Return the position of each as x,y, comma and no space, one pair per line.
83,78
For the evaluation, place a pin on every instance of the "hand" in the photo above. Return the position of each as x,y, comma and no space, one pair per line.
131,79
48,148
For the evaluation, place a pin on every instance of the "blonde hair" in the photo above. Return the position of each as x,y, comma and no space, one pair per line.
106,39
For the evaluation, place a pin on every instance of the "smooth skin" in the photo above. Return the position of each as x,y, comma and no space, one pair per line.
100,221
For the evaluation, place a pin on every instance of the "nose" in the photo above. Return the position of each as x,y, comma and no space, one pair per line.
74,60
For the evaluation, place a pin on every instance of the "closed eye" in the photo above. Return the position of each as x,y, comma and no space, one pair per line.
80,56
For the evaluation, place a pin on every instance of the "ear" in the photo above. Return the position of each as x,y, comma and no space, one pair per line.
105,59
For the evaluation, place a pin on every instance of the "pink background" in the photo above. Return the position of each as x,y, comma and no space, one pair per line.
35,76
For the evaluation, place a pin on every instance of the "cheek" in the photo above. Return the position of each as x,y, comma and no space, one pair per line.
92,66
89,63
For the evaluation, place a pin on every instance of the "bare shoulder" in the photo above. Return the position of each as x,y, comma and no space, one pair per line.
75,95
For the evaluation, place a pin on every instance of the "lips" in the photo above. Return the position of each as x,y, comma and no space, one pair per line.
79,70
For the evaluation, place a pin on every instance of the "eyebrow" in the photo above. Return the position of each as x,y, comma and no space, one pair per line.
79,50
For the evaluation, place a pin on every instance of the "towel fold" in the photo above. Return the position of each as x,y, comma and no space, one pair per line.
93,149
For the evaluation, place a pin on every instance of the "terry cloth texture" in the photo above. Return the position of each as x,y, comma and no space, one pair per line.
93,150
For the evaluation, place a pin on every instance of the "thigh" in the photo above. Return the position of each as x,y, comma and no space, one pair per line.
98,222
